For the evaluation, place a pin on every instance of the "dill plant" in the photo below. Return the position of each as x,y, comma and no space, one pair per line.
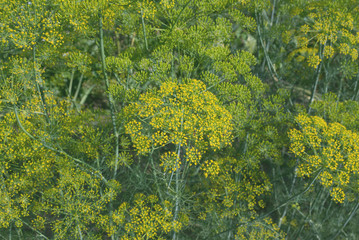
148,119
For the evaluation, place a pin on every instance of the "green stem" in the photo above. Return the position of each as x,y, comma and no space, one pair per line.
71,82
315,86
10,229
267,59
109,95
286,207
307,220
40,88
314,90
79,230
177,189
180,13
355,209
177,181
155,175
29,226
356,89
340,89
78,88
144,29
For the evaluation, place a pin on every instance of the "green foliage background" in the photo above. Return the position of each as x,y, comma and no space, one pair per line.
179,119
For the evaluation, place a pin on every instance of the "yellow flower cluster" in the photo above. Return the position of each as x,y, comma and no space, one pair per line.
160,139
170,161
80,13
313,61
337,194
78,60
329,22
31,167
27,23
354,54
302,42
331,26
147,9
142,144
11,93
148,219
167,3
329,51
329,148
228,195
193,156
184,114
264,229
39,222
344,48
77,198
211,169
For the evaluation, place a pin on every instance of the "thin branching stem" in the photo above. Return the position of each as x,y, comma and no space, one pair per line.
109,95
177,189
317,75
178,159
71,82
355,209
155,175
79,230
291,191
340,89
180,13
29,226
271,68
144,29
78,88
39,87
315,86
356,89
